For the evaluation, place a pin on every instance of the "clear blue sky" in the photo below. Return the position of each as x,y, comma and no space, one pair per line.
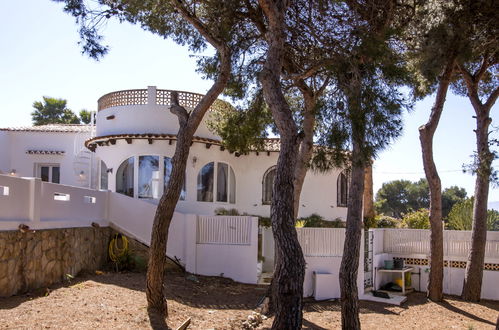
40,57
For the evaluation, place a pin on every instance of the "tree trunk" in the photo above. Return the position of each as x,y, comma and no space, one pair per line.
426,133
474,268
289,271
351,250
476,257
305,149
188,124
369,212
162,219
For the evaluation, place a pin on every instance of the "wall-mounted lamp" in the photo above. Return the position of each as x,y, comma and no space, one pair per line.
82,175
13,172
194,160
109,170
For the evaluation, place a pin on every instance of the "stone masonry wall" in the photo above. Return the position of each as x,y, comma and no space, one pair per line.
32,260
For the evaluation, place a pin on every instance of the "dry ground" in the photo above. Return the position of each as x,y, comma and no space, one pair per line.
117,301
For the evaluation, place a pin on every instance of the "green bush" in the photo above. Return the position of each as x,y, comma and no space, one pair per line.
417,219
223,211
317,221
370,223
264,222
384,221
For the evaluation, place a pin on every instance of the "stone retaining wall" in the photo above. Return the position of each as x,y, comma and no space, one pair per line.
31,260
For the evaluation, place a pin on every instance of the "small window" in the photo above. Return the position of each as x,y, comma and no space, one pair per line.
225,187
49,172
268,185
342,189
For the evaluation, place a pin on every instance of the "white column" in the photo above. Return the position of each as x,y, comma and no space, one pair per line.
151,95
35,192
190,242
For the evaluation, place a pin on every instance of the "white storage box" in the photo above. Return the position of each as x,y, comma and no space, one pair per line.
325,286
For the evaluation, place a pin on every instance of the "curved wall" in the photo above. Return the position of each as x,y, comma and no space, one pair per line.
318,195
149,117
147,111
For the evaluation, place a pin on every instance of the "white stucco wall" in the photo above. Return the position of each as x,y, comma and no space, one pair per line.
318,195
5,152
25,164
154,118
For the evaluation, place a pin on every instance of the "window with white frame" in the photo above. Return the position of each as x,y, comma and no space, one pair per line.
342,189
49,172
225,188
103,176
125,177
167,171
268,185
148,177
153,175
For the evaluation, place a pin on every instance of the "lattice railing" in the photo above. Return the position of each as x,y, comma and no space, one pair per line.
230,230
126,97
163,97
321,242
185,99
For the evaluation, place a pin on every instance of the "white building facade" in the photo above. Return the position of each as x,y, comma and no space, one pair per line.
129,151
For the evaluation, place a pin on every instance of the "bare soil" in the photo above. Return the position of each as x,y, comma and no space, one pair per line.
117,301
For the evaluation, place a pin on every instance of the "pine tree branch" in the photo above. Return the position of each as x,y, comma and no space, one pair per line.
492,99
472,87
196,22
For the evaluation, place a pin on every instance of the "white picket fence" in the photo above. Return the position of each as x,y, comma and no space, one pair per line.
321,242
456,243
234,230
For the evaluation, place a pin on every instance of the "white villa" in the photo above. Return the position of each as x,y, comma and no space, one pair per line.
64,189
129,151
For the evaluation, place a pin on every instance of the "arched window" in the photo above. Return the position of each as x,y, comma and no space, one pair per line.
148,177
225,183
124,177
268,185
342,189
167,162
103,176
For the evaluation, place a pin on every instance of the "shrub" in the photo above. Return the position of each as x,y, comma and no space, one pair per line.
384,221
317,221
222,211
264,222
417,219
370,222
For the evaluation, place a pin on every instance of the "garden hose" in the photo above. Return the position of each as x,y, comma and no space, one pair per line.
115,252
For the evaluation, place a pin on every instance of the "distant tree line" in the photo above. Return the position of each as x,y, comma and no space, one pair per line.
402,203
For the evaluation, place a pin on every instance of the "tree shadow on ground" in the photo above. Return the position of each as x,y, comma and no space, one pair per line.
306,324
32,294
460,311
207,292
